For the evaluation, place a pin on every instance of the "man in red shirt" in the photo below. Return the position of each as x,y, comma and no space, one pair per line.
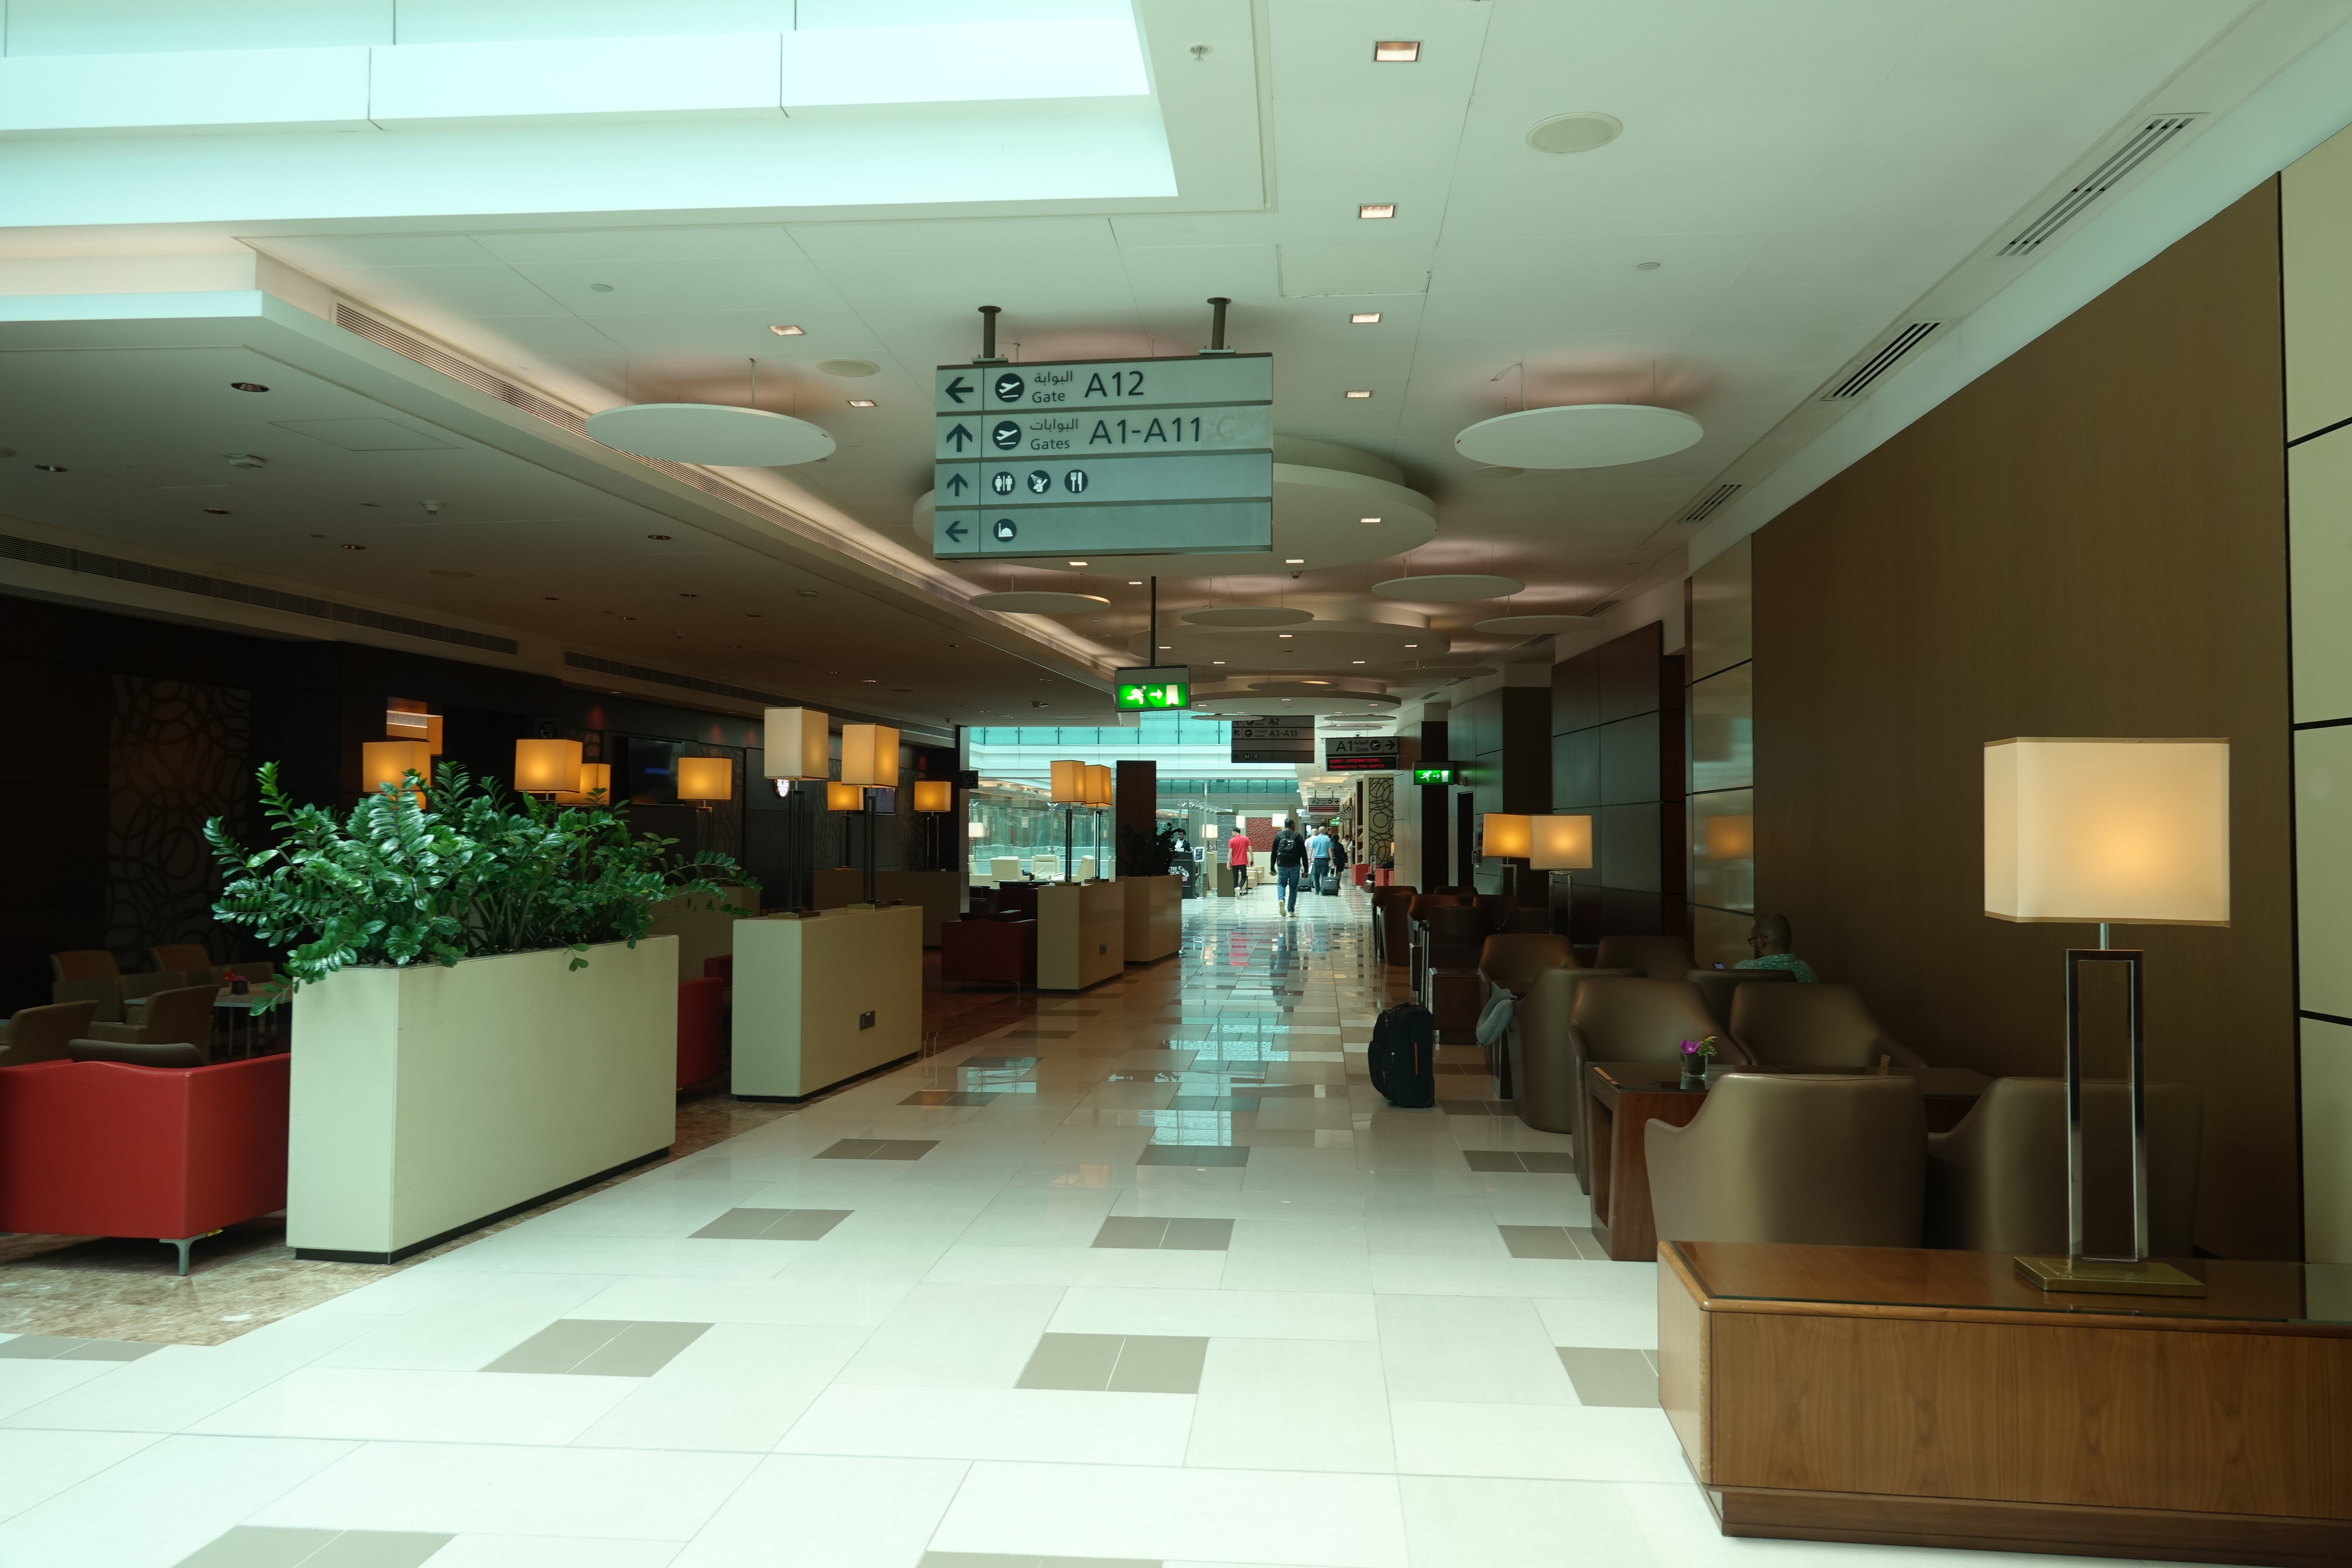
1237,856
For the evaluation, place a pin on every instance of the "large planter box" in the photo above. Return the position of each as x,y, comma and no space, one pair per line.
427,1101
1081,934
1155,916
820,998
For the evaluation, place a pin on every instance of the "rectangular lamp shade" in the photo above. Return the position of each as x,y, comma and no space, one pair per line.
1508,836
596,778
843,796
1560,843
1100,790
1068,785
706,778
798,746
2128,831
546,767
385,762
1730,838
870,754
934,795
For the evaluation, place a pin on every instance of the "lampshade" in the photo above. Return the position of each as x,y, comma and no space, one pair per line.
1101,791
1068,787
1560,843
2134,832
870,754
596,778
1729,838
1507,836
546,767
934,795
706,778
385,762
797,746
845,796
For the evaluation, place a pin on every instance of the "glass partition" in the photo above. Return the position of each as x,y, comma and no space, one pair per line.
1012,833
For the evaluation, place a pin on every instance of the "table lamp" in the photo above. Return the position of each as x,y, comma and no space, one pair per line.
2107,832
546,767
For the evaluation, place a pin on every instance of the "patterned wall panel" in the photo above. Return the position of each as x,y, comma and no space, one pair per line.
176,754
1380,819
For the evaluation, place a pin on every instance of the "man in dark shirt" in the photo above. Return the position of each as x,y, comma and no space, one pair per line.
1290,857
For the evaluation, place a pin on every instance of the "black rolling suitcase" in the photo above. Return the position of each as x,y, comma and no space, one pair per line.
1403,1057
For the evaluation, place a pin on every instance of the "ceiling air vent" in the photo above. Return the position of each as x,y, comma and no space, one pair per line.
1865,375
2142,145
1708,502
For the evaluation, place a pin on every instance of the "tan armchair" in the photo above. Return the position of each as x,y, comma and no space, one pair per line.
1997,1183
1659,957
186,959
184,1015
1515,960
87,975
1719,987
1825,1161
1545,1076
44,1034
1631,1020
1818,1028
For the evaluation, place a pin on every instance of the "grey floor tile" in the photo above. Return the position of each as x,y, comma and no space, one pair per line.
640,1350
1463,1107
1492,1160
803,1225
379,1549
998,1559
906,1148
560,1346
256,1546
1588,1245
1130,1233
1617,1378
1082,1361
1199,1236
1200,1155
851,1148
998,1063
37,1347
1538,1241
937,1096
738,1224
1547,1164
1159,1364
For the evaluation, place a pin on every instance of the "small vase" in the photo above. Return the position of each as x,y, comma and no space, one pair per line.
1694,1076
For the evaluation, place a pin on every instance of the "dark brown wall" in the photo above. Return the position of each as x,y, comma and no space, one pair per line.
2087,541
1617,754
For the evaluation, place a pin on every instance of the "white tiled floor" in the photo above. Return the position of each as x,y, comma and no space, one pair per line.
1379,1389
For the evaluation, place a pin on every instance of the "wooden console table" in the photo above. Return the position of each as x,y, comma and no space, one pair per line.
1922,1398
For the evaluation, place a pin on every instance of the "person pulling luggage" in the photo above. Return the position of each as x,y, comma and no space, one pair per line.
1290,859
1319,860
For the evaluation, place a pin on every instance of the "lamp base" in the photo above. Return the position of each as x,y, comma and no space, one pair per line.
2108,1278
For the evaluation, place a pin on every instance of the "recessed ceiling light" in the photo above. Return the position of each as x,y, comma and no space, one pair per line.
871,681
806,592
216,512
657,536
1647,266
1134,582
1397,51
1295,561
861,402
690,596
50,467
784,330
1166,648
1355,661
752,615
1282,634
628,617
247,386
1412,644
1377,209
1363,318
548,598
1577,132
1078,562
1367,521
356,547
599,287
1216,661
1358,395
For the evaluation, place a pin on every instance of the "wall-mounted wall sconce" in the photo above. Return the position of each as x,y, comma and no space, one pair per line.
702,780
546,767
799,745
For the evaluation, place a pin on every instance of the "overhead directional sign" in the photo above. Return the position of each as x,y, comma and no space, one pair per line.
1274,740
1150,456
1363,753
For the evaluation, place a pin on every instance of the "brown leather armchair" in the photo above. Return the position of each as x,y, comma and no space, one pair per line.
1825,1161
1717,985
1659,957
1820,1028
1514,960
1997,1183
1548,1091
182,1014
1633,1019
44,1034
1456,934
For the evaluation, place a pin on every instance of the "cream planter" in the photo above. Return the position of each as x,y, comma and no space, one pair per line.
821,998
1154,916
1081,934
702,932
427,1101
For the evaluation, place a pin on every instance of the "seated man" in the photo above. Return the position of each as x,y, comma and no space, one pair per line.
1771,942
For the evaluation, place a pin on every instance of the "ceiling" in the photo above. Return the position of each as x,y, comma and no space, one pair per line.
1792,180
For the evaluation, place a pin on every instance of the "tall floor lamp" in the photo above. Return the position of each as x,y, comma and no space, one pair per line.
2107,832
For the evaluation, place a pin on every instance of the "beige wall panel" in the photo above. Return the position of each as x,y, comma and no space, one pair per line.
1722,824
2323,854
2088,540
1723,730
2316,244
2326,1141
1719,612
2319,514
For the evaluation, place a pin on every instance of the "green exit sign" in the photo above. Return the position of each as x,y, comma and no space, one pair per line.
1162,687
1433,775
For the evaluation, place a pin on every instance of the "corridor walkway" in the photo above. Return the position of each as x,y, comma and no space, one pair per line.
1153,1278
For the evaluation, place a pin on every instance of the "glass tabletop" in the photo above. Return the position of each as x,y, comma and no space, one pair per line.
2243,1290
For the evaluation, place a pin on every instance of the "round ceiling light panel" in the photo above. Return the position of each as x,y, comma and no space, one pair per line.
713,433
1579,436
848,367
1448,588
1247,616
1039,602
1322,705
1531,625
1577,132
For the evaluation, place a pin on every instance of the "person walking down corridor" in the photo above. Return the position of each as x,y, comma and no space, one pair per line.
1237,854
1319,858
1290,859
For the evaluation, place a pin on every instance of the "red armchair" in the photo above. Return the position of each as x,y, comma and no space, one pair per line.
107,1149
699,1037
989,952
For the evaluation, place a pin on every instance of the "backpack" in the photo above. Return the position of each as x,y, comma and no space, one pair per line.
1290,849
1403,1056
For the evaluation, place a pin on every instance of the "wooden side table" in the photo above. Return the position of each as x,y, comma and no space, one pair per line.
1622,1099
